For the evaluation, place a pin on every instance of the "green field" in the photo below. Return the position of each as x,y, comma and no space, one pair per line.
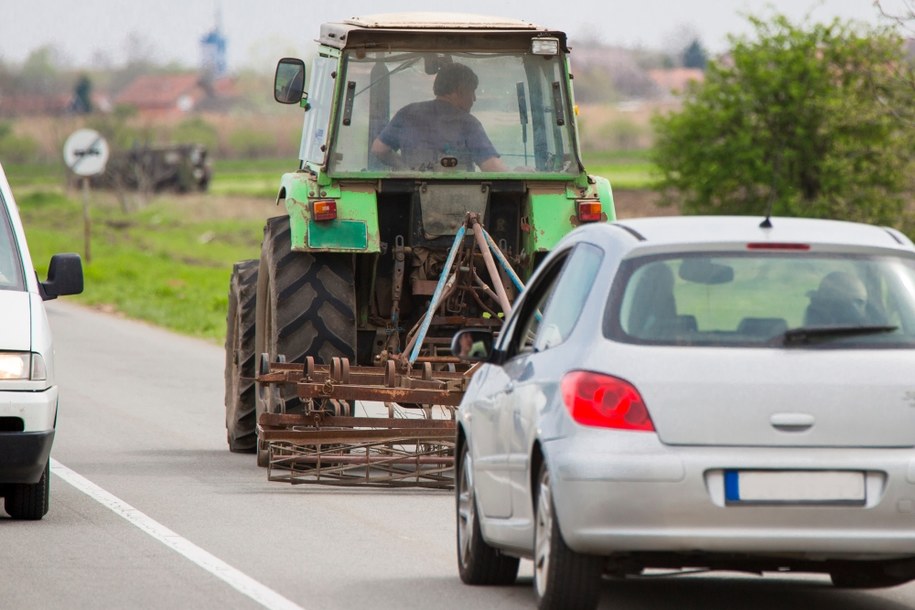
630,170
159,265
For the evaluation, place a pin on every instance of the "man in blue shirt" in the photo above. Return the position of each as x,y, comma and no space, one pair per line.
440,133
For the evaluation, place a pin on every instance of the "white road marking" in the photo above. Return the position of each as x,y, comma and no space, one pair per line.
236,579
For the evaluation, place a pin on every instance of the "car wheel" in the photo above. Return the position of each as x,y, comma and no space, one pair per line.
478,563
29,500
865,576
562,577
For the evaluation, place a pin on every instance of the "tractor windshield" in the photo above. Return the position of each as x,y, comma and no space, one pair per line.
418,112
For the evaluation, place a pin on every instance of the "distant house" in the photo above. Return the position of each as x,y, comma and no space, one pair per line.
171,95
33,104
673,81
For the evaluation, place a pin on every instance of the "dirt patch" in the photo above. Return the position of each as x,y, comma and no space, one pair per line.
637,203
195,207
199,207
629,204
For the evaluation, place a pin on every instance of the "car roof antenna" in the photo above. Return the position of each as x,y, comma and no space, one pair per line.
767,221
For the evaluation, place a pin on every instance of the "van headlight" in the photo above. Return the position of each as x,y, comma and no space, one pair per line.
19,365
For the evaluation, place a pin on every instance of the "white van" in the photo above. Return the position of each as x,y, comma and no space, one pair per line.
28,391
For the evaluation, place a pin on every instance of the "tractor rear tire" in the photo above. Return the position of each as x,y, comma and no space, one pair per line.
241,431
306,306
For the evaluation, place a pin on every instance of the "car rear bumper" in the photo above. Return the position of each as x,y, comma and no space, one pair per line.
24,455
673,500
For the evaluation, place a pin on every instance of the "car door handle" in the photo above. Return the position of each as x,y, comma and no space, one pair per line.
792,422
509,388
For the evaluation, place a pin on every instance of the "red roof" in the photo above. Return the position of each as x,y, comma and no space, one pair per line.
161,92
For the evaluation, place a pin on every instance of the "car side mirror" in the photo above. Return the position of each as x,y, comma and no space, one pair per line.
65,276
289,81
472,344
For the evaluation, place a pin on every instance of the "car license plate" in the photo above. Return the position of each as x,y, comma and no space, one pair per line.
793,487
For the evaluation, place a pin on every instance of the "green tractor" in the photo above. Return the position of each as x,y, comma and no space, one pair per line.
413,123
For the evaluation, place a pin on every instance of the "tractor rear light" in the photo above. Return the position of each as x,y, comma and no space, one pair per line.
604,401
589,210
324,209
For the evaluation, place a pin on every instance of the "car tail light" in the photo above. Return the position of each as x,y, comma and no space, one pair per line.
604,401
589,210
324,209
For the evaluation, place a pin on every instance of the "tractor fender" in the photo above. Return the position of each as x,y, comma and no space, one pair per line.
354,226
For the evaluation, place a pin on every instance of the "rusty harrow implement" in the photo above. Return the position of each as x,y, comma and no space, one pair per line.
333,446
405,432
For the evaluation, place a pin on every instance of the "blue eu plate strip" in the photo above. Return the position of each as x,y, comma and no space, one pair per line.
731,486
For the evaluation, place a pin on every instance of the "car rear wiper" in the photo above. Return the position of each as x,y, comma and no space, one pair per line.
812,334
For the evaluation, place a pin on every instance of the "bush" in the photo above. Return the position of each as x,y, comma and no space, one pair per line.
251,143
623,134
196,131
16,149
803,120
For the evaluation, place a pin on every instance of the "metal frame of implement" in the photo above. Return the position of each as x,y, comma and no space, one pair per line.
328,445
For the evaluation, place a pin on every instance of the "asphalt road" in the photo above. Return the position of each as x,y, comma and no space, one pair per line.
150,510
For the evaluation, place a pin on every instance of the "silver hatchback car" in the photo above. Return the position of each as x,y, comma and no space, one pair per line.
712,392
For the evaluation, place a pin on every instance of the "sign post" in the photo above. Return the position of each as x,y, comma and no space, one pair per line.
86,153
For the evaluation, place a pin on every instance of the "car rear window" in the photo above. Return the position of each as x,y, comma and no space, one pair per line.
764,299
10,262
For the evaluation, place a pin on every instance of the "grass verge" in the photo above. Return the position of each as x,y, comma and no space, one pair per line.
161,265
625,170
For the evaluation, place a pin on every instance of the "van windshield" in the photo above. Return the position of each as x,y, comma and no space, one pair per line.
409,112
10,263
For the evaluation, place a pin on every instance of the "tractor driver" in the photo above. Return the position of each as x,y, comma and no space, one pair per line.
440,132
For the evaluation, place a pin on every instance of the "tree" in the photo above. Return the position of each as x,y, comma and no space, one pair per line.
802,120
41,72
903,13
903,17
694,55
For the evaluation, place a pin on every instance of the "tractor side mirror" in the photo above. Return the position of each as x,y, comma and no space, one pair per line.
289,81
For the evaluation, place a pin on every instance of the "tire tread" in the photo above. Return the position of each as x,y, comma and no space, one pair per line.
29,501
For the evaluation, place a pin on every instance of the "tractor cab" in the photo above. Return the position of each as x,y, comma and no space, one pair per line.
401,77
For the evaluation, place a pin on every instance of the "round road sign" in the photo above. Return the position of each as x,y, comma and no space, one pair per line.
86,152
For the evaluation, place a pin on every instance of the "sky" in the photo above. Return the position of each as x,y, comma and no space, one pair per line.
261,31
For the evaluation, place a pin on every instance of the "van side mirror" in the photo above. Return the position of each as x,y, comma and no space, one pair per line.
472,345
65,276
289,81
